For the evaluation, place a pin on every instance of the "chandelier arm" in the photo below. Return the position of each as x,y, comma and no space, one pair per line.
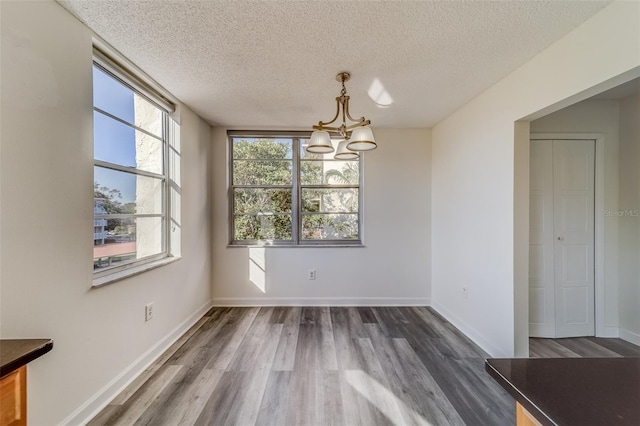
321,126
324,123
359,124
346,112
345,107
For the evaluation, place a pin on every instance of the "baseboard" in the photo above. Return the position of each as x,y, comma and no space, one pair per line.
321,301
608,331
101,399
544,331
470,332
630,336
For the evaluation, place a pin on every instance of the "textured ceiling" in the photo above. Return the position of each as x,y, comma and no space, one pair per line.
272,64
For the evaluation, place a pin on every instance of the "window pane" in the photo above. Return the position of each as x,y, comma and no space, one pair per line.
329,200
262,227
118,143
150,235
261,200
330,227
117,99
262,148
264,184
119,192
119,241
262,172
329,173
147,116
112,96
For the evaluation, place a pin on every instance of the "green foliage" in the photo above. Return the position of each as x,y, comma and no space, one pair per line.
262,149
266,213
330,227
111,203
263,218
111,197
128,208
349,175
274,167
262,200
311,172
262,172
263,227
262,213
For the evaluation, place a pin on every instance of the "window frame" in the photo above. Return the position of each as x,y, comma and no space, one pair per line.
296,195
136,83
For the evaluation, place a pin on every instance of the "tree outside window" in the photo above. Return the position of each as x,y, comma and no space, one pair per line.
281,194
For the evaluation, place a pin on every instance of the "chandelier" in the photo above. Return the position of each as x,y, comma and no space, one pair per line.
357,137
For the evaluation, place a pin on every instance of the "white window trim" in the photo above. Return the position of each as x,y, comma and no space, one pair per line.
110,61
132,270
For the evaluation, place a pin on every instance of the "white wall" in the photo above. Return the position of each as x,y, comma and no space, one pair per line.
393,268
47,220
629,221
602,117
475,176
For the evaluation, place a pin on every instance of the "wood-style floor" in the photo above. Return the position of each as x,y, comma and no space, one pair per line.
328,366
316,366
582,347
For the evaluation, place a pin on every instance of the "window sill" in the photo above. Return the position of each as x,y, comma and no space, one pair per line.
290,246
134,270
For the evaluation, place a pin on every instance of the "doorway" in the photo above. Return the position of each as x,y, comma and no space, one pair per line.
562,237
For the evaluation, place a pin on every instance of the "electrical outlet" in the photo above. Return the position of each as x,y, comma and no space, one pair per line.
465,292
148,312
311,274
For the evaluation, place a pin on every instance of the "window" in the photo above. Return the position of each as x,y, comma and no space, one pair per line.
282,195
131,202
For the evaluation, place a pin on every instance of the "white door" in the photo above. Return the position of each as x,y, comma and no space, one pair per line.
561,278
542,310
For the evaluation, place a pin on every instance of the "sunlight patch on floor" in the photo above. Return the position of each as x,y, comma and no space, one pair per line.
383,399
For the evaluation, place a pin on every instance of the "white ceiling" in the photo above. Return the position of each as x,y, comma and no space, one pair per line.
272,64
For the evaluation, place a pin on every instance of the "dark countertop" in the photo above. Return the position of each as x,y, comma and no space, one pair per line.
573,391
14,353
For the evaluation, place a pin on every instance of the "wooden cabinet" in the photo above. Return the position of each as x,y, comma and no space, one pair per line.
571,391
13,398
524,418
14,356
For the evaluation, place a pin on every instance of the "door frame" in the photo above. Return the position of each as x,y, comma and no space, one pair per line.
601,330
